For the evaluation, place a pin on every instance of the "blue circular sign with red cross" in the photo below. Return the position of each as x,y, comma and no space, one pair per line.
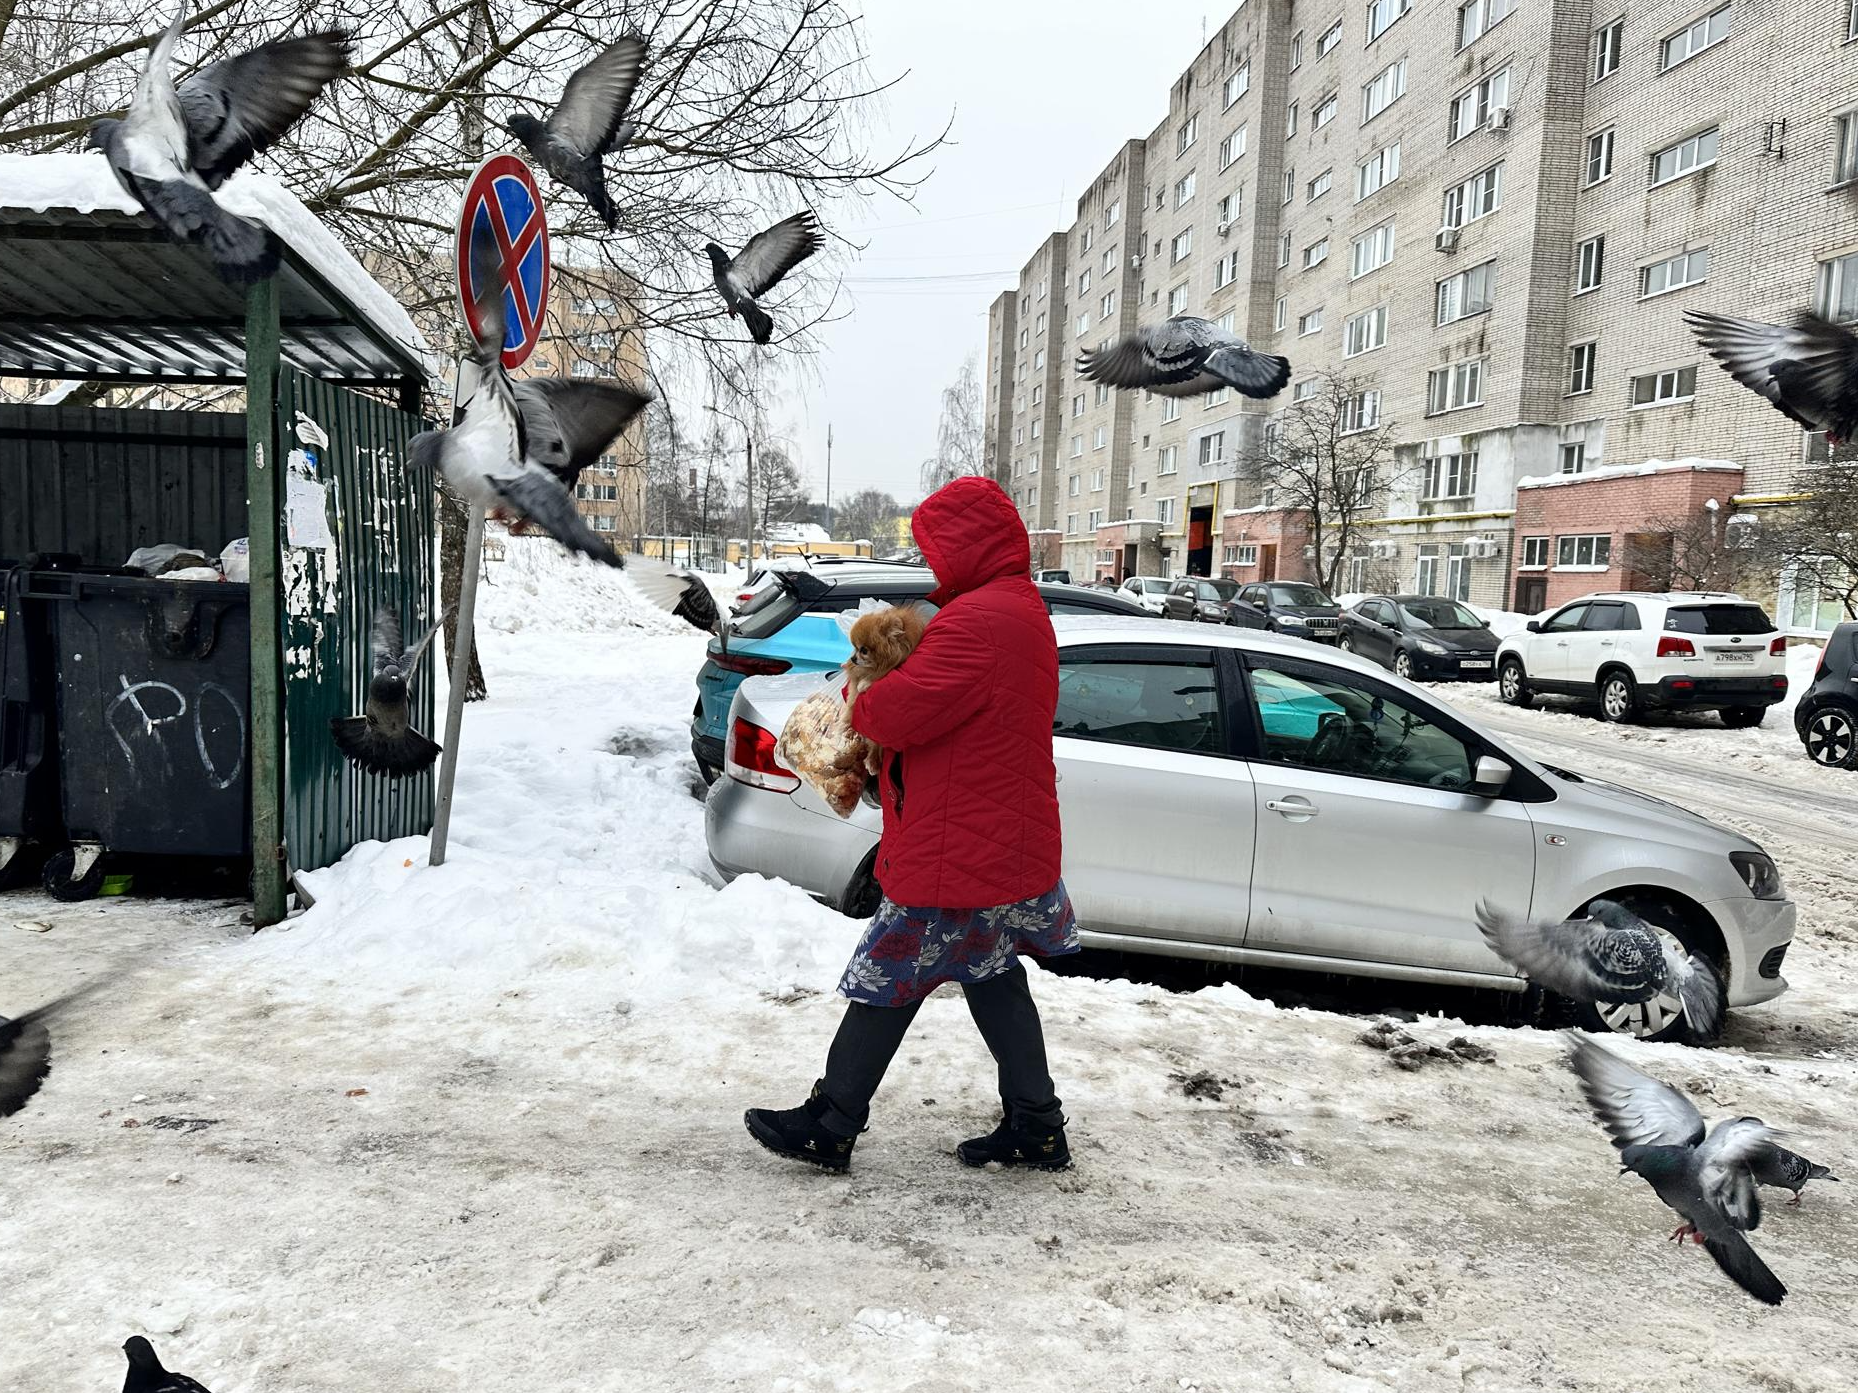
503,206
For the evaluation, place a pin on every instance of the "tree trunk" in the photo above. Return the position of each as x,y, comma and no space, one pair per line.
453,524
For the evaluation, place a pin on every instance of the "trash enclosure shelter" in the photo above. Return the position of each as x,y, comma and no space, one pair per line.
194,713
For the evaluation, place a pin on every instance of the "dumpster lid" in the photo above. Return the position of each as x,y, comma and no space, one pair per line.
89,288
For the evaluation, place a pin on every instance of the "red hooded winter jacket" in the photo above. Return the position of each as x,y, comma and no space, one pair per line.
968,786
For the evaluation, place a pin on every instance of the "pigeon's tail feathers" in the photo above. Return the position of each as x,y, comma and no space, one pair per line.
396,756
142,1354
760,325
682,594
1815,1171
1699,988
243,252
426,451
1743,1265
26,1049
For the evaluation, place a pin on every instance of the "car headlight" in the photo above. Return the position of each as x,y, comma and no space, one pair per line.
1759,873
1429,645
1290,621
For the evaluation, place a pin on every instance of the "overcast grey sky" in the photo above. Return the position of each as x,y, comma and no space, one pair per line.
1033,124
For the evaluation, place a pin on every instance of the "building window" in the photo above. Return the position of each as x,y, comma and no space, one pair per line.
1360,412
1077,405
1607,44
1090,236
1599,158
1164,511
1109,260
1691,40
1228,320
1685,157
1077,452
1177,301
1167,461
1099,438
1471,109
1283,254
1044,283
1319,185
1455,387
1838,286
1477,197
1377,171
1316,253
1170,409
1025,336
1364,332
1449,476
1244,554
1330,40
1183,188
1845,157
1083,281
1187,135
1081,325
1238,83
1219,396
1213,447
1386,88
1467,293
1851,25
1039,328
1112,215
1581,360
1038,360
1077,480
1290,120
1225,270
1103,394
1035,429
1304,390
1662,388
1589,265
1382,14
1372,250
1311,323
1232,147
1324,111
1096,519
1038,395
1584,549
1183,244
1674,273
1282,311
1070,523
1426,572
1477,17
1290,183
1107,306
1573,456
1535,553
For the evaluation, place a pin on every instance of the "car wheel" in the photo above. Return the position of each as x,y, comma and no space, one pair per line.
1743,717
1831,738
59,884
1660,1020
709,772
1619,699
1346,644
1512,686
1403,666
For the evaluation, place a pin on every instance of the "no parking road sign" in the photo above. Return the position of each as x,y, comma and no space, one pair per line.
502,202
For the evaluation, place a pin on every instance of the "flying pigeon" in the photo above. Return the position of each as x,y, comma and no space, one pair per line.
382,739
1183,357
26,1049
175,146
1808,372
759,266
682,593
1707,1181
569,422
484,454
147,1376
587,124
1787,1170
1610,956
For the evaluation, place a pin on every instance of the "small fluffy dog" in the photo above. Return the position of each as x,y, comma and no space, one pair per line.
881,640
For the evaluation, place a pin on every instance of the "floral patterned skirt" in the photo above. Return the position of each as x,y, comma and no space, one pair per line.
907,952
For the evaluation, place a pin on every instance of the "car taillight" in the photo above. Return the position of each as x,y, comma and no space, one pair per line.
1778,649
750,758
1669,647
749,665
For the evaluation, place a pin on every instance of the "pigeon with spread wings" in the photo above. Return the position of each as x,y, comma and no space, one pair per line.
382,739
587,124
682,593
1183,357
1808,372
759,267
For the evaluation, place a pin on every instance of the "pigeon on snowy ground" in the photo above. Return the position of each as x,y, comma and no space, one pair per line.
382,739
174,146
682,593
1808,372
1706,1180
26,1049
1183,357
759,266
484,454
146,1374
568,423
1610,956
588,124
1787,1170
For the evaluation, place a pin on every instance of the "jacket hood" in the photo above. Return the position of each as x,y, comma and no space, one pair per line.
969,533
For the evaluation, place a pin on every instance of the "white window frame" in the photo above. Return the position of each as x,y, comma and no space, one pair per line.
1598,547
1232,148
1364,332
1604,50
1303,390
1485,185
1485,15
1845,141
1164,511
1310,322
1168,459
1465,293
1385,166
1282,313
1170,409
1573,452
1099,439
1211,449
1390,80
1693,265
1112,215
1177,301
1531,549
1384,14
1838,285
1188,133
1452,475
1225,270
1470,109
1184,189
1319,186
1361,412
1095,520
1316,253
1238,83
1375,241
1678,394
1181,247
1590,264
1290,120
1711,137
1244,554
1325,111
1283,253
1106,307
1456,396
1583,359
1597,160
1329,40
1674,50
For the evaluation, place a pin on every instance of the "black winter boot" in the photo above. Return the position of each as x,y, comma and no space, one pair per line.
800,1134
1020,1142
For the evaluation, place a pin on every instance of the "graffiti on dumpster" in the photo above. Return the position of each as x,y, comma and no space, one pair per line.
153,704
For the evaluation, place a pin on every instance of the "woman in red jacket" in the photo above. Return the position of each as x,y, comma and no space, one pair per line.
970,857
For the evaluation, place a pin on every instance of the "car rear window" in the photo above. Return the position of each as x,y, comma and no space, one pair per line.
1718,619
784,608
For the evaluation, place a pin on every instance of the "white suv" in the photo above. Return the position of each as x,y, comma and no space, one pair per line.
1634,651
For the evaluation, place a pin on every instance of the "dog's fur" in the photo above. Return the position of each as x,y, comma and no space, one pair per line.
881,641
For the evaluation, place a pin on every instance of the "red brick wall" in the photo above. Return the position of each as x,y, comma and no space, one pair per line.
1285,530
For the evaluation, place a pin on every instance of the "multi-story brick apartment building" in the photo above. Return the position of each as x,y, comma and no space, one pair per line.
1490,215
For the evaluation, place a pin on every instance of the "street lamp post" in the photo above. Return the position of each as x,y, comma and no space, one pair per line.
748,444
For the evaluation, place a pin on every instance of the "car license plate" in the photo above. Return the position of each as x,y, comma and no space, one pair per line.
1474,664
1728,656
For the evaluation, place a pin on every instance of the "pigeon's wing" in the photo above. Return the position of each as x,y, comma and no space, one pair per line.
677,592
593,105
1812,363
1743,1266
239,106
1724,1168
489,286
586,418
1131,362
386,644
1254,374
772,253
26,1049
1581,959
1635,1109
536,495
1698,987
409,662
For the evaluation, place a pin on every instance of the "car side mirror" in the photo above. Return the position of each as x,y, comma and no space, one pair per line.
1533,626
1490,776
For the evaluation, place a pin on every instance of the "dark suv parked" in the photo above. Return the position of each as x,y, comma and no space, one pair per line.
1200,599
1827,716
1295,607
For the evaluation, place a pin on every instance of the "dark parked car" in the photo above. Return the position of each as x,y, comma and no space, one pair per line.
1198,599
1827,716
1295,607
1421,637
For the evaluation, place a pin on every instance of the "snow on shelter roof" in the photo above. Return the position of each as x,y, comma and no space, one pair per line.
89,288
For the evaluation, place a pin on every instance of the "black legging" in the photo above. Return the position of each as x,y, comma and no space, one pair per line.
1004,1013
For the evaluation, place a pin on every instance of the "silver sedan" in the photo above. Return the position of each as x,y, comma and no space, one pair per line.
1251,798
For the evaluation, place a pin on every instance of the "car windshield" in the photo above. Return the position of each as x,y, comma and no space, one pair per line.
1718,619
1224,589
1297,595
1440,614
1154,586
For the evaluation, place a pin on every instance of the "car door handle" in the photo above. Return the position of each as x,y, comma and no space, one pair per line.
1606,643
1293,807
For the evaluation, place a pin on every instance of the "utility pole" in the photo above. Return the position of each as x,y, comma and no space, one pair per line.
828,478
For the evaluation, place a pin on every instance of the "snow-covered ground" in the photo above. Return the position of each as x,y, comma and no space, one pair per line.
483,1123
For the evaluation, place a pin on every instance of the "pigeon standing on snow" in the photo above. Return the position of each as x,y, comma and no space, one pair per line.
682,593
484,454
1706,1180
1183,357
1610,956
1808,372
382,739
26,1050
147,1376
588,124
175,146
759,266
1787,1170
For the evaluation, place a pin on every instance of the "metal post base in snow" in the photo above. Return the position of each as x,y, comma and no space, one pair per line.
461,673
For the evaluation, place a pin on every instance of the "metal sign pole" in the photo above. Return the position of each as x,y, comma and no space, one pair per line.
461,674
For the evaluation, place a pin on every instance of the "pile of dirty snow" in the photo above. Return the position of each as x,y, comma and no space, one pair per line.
537,584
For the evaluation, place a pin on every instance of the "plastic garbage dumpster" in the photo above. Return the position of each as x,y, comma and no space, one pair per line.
28,740
154,731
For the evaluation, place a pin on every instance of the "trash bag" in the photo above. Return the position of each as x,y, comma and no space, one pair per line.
163,557
236,560
819,744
